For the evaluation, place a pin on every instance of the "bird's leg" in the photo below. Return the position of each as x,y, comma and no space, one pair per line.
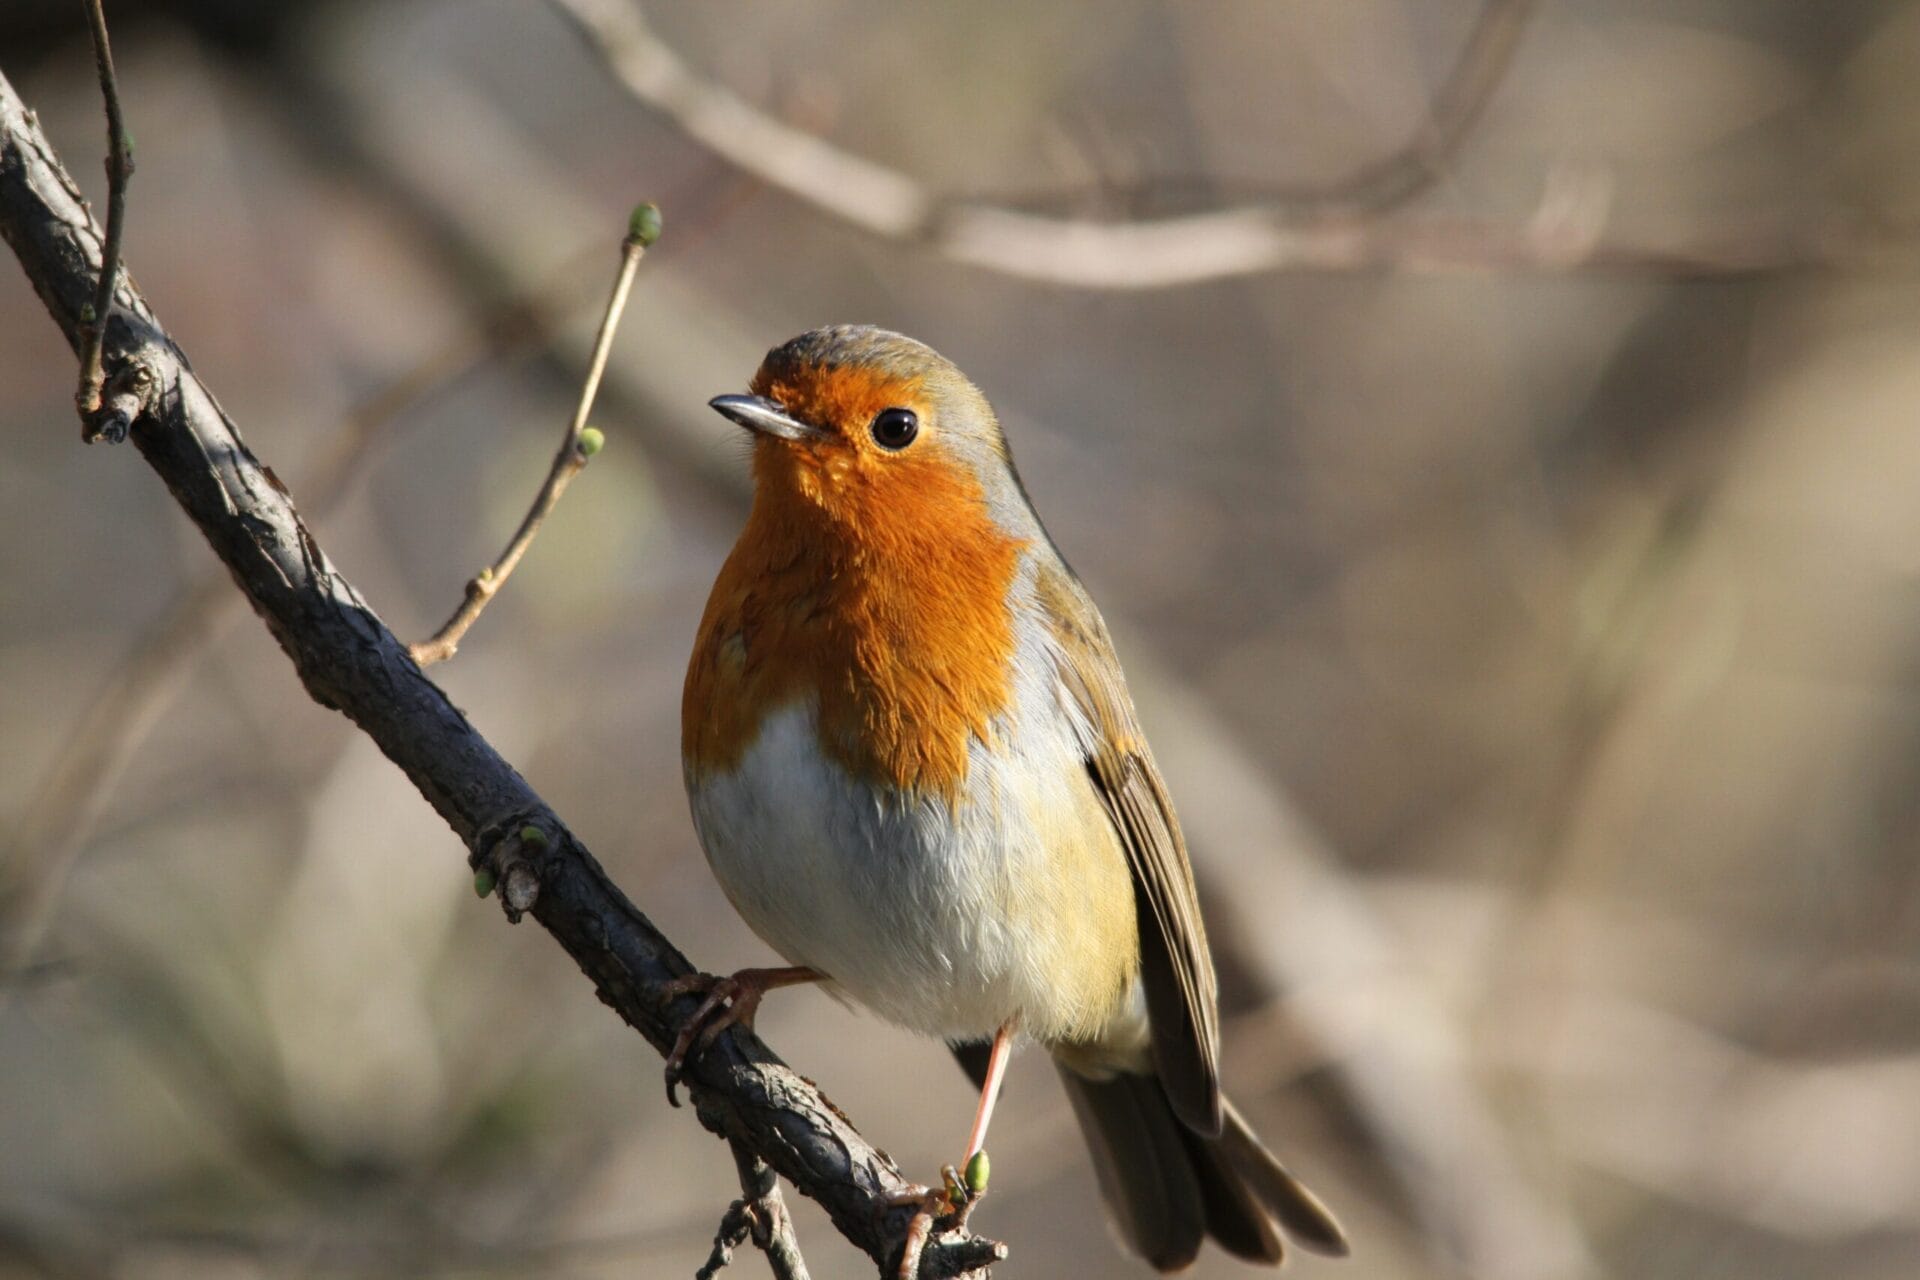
731,1001
990,1091
957,1197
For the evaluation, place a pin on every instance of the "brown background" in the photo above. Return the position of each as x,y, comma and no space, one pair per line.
1532,646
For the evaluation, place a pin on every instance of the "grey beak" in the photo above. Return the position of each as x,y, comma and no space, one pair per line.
757,413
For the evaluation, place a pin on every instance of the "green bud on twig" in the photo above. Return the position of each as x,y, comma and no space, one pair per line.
483,882
533,837
978,1169
644,224
592,441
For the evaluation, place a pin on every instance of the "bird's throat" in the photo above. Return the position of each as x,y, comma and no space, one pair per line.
885,598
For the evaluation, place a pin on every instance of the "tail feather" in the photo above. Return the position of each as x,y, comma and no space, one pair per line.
1307,1221
1170,1187
1235,1219
1146,1174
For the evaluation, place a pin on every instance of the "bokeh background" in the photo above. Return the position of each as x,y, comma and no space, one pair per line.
1524,608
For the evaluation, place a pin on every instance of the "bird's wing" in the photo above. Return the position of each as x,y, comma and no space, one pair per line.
1175,966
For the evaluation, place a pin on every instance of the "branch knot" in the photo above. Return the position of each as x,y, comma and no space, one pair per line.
127,395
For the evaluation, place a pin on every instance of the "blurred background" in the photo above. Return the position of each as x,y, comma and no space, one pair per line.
1508,517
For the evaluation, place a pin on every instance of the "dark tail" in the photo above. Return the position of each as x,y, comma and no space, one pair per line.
1170,1187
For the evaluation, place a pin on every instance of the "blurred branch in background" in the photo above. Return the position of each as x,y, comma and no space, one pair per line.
1335,228
1798,1145
895,207
1284,908
349,661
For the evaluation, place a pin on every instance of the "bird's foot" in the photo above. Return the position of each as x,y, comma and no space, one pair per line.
730,1001
947,1206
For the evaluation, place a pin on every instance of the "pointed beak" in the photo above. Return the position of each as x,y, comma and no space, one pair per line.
759,414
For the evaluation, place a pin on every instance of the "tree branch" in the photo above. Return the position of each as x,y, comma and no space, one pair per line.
350,662
1335,228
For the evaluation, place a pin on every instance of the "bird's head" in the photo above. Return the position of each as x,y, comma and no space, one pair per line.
876,431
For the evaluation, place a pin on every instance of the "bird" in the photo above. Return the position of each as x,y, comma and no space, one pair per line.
917,774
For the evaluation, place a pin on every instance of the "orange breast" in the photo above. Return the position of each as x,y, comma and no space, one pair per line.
879,588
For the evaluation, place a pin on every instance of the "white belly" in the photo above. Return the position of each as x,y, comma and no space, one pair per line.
948,921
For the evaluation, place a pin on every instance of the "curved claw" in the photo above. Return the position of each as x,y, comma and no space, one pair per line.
932,1206
722,1008
948,1206
730,1001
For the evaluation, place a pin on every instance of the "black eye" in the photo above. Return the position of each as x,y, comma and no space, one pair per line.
895,428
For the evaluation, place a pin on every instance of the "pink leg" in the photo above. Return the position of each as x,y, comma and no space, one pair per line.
954,1200
989,1092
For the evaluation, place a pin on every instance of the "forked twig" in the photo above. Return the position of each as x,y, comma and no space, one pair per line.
88,396
760,1214
576,447
735,1226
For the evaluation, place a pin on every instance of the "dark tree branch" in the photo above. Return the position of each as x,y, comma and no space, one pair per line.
350,662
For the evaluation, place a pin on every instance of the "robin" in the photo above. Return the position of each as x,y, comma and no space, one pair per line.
917,774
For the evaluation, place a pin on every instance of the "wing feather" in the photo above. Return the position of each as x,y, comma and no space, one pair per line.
1175,966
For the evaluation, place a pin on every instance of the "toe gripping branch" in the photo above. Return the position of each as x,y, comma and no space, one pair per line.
943,1208
728,1002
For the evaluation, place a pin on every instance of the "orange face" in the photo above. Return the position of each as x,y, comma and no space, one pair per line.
868,446
841,400
871,576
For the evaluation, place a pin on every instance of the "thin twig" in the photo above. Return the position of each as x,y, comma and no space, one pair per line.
44,841
1378,185
119,168
576,447
1424,158
734,1229
767,1219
